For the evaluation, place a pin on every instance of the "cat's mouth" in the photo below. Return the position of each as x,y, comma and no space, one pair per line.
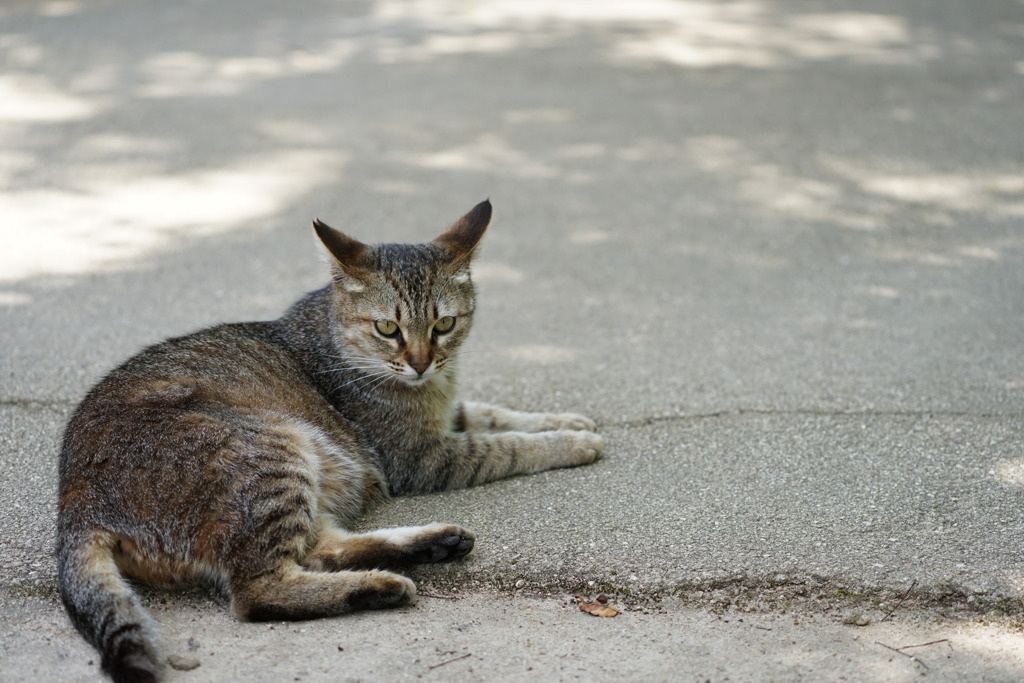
416,380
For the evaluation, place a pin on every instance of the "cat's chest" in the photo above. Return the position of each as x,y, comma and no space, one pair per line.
410,419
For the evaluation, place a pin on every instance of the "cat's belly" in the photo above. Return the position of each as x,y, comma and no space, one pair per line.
346,481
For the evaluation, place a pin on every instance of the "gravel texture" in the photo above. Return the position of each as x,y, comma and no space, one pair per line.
775,249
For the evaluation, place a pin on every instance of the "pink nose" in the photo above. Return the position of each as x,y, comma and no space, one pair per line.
420,367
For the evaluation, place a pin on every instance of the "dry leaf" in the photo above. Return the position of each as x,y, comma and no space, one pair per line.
183,663
595,608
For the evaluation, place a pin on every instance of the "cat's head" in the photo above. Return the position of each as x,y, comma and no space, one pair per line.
403,310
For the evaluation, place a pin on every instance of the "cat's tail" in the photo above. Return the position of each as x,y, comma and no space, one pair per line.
104,609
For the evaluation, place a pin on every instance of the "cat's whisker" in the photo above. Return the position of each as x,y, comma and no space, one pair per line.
378,382
360,377
351,368
368,366
354,359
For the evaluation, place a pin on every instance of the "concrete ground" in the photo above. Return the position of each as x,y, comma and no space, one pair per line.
775,248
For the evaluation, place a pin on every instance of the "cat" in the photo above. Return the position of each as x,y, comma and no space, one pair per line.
238,454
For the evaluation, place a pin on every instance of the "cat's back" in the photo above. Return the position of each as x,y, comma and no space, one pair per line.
178,452
174,407
240,365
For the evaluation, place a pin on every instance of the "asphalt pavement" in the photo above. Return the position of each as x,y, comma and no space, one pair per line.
774,248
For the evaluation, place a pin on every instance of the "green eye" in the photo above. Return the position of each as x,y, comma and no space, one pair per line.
386,327
445,324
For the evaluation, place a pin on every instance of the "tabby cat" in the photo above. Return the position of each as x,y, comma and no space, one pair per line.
238,454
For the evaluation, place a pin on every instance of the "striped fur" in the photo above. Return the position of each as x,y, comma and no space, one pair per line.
238,454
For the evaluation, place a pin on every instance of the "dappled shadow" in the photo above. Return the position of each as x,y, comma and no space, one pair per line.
687,33
700,207
790,175
112,150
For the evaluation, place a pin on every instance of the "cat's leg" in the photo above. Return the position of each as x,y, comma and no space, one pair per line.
473,416
267,582
278,522
290,592
337,550
471,458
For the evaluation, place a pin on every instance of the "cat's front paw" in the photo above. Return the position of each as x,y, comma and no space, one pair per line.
555,421
438,542
582,447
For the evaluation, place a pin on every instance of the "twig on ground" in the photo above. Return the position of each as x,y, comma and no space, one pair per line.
438,597
934,642
763,628
468,654
905,596
910,657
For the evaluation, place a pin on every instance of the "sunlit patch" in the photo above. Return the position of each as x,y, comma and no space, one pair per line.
771,187
33,99
546,115
177,74
1009,471
998,193
683,49
826,196
766,261
585,151
14,299
686,33
903,114
18,50
921,257
861,324
486,153
442,45
106,144
589,236
60,8
979,252
541,353
108,221
880,291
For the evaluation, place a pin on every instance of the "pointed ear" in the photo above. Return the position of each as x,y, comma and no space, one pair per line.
462,238
346,251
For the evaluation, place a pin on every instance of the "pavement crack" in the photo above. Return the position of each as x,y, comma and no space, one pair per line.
643,421
36,403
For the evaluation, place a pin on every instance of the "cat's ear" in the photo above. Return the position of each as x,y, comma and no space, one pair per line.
462,238
347,262
346,251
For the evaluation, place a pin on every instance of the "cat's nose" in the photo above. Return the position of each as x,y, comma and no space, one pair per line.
420,367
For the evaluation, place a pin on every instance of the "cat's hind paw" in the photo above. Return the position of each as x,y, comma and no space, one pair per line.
379,590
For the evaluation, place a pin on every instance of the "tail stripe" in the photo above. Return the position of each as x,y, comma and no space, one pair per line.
105,610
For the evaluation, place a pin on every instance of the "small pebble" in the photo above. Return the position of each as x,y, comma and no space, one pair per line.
182,663
193,644
520,583
856,618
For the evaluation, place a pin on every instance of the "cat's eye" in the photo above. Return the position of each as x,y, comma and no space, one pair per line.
386,327
445,324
